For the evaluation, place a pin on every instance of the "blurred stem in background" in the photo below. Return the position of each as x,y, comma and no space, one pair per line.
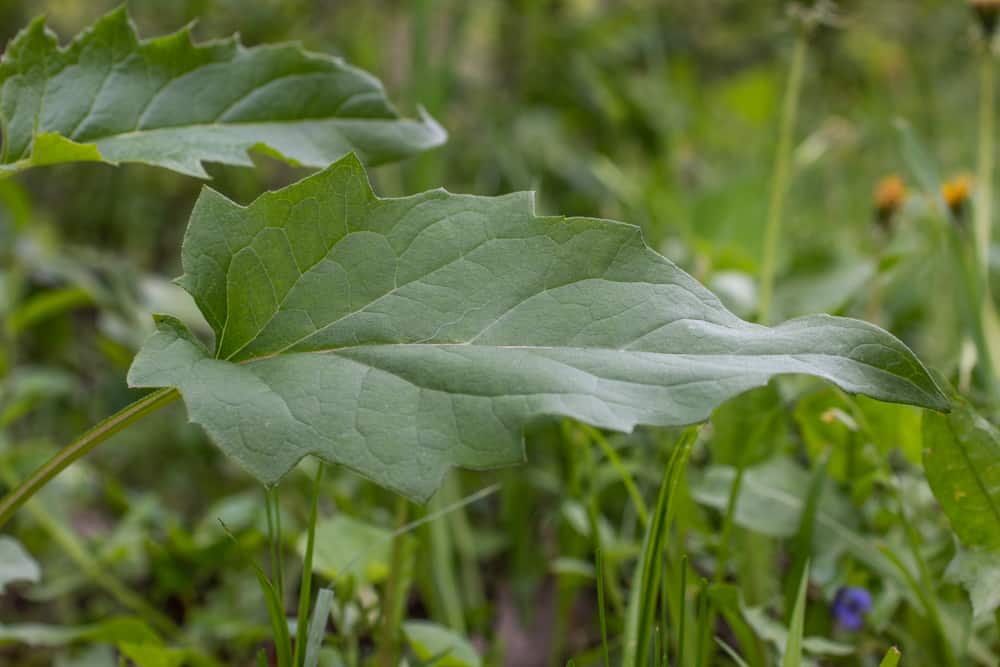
983,221
782,169
776,207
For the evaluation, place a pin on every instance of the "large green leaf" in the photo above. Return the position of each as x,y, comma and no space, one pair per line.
108,96
962,460
400,337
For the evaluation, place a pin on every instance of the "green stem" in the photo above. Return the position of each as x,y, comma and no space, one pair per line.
722,556
968,269
782,169
388,650
925,588
984,175
616,462
442,551
728,522
81,446
983,222
305,590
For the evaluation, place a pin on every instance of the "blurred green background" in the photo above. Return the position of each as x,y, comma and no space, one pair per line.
660,113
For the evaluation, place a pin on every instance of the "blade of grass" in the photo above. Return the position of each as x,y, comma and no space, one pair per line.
682,620
599,576
642,615
305,590
802,545
792,655
731,652
891,658
706,621
317,627
627,479
664,612
275,611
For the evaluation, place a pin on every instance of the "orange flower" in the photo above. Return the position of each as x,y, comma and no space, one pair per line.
889,196
988,12
956,192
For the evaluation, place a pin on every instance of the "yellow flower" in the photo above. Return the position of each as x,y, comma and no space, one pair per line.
888,197
956,192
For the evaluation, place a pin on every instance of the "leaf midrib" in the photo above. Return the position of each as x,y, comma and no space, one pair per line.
976,476
803,357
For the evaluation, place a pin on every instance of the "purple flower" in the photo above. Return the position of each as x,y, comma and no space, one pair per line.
850,606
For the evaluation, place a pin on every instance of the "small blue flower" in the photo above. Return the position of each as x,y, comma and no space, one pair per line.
850,606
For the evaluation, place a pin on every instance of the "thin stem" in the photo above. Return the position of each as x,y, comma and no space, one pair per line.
728,522
81,446
388,649
782,169
305,589
925,587
616,462
682,615
984,177
983,221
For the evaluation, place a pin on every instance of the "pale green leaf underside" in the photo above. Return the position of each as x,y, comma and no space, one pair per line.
400,337
111,97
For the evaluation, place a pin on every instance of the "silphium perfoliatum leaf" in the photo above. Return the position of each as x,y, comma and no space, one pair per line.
109,96
400,337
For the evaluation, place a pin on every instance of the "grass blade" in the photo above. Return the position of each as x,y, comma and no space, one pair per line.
682,616
275,612
802,546
642,613
891,658
792,656
599,573
731,652
317,627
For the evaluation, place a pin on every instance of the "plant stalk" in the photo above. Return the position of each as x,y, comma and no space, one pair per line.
782,170
395,591
81,447
983,220
984,170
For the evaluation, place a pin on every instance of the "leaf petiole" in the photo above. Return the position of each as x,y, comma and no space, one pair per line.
81,447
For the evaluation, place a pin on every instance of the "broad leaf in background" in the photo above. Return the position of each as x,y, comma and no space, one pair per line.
771,502
16,564
979,573
962,461
347,546
437,645
747,431
776,633
111,97
401,337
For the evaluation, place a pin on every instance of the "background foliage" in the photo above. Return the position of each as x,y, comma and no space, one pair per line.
664,114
